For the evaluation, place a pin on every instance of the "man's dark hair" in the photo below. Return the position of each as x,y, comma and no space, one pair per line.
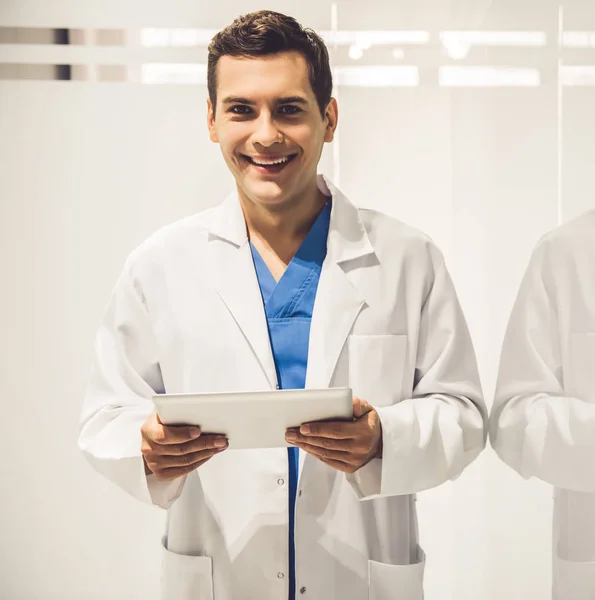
267,32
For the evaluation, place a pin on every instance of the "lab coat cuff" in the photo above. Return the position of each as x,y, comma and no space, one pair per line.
370,481
160,493
366,482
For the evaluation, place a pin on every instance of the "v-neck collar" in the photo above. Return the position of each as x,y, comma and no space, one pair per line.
310,255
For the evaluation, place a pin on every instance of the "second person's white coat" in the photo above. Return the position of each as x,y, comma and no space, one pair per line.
543,420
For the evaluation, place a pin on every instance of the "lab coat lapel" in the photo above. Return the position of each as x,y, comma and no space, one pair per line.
234,277
338,298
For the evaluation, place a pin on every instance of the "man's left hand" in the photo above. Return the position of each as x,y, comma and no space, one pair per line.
343,445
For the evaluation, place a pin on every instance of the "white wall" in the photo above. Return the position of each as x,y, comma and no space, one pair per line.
88,169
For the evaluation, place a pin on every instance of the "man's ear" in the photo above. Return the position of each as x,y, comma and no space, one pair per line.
211,122
332,117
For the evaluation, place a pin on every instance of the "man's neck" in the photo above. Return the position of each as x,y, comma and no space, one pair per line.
283,229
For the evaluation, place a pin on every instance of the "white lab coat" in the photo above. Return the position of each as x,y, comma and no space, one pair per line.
543,419
187,316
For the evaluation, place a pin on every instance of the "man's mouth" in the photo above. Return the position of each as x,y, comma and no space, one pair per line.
270,165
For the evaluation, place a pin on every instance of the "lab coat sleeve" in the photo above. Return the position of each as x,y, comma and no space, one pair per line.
125,373
431,437
536,427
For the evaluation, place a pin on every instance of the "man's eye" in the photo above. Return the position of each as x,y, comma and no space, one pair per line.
291,109
243,109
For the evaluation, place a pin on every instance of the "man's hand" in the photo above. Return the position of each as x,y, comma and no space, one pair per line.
343,445
173,451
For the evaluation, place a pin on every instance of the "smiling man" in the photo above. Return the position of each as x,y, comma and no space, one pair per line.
285,284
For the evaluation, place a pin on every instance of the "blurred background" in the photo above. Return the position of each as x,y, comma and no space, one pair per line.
472,120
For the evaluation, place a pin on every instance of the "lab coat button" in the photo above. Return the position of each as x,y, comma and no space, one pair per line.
302,590
280,481
280,575
277,386
299,492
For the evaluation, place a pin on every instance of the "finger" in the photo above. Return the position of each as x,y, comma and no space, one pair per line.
339,430
338,465
175,434
176,472
347,462
185,460
321,442
168,434
204,442
334,455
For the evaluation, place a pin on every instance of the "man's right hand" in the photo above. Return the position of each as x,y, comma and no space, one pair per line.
174,451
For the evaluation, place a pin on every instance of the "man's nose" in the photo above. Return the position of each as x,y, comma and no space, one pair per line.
267,132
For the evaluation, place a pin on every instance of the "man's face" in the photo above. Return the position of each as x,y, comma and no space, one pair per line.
267,112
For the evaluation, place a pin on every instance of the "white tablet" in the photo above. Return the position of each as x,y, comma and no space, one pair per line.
254,419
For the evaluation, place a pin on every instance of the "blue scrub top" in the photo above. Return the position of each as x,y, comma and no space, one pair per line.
288,307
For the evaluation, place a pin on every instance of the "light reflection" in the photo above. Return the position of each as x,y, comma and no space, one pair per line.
160,37
185,73
355,52
577,75
495,38
365,39
377,76
455,76
578,39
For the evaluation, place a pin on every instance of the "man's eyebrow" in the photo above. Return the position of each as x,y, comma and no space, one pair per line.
236,100
292,99
287,100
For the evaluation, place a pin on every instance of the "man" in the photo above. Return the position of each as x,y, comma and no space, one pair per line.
286,284
543,419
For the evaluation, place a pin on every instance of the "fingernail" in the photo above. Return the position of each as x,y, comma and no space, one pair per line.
305,429
220,443
195,431
290,436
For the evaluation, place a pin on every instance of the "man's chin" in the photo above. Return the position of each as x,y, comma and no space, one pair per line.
267,192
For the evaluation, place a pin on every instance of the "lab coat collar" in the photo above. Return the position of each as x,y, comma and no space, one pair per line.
339,296
347,238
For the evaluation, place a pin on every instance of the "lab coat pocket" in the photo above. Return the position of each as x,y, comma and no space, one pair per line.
574,545
392,582
376,364
573,580
185,577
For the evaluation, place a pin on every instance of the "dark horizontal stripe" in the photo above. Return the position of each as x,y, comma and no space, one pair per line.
39,72
72,37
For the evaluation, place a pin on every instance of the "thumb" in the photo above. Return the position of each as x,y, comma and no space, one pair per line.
360,407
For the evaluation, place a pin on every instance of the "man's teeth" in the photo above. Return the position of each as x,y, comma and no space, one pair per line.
268,164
